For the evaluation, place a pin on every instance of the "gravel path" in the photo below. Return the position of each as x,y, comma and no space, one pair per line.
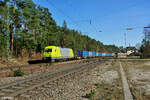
127,93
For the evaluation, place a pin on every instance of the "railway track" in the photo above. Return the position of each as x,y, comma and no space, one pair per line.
9,71
35,63
14,89
39,63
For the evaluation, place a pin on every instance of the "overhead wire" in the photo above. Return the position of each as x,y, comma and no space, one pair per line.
67,16
62,12
89,20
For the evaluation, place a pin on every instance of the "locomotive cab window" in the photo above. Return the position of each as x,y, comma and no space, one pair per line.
48,50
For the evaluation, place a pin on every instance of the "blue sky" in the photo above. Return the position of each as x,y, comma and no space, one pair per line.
112,17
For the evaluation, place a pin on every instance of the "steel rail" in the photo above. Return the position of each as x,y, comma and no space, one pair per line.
29,84
33,78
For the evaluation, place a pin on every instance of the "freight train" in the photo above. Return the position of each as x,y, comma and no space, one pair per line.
55,53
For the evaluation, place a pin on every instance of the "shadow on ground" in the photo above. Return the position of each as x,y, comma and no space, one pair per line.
37,61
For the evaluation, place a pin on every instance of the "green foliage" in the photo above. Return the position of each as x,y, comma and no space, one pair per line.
112,63
111,48
2,45
91,95
19,72
97,84
49,64
145,47
32,27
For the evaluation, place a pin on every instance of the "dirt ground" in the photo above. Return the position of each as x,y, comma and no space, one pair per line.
138,74
104,82
109,84
100,83
13,62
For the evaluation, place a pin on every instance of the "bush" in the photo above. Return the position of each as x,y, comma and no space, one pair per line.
90,95
19,72
97,84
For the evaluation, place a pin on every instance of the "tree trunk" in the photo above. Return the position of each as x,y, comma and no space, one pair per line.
12,38
8,38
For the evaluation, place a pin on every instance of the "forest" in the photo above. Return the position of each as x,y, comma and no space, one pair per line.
26,28
145,45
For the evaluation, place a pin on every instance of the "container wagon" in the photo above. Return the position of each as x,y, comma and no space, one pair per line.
103,54
97,54
93,54
90,54
100,54
82,54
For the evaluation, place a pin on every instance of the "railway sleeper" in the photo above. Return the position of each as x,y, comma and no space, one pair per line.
55,77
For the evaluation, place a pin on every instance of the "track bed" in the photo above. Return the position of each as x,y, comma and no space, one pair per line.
90,80
21,86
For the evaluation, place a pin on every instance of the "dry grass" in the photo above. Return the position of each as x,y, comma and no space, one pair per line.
109,92
111,89
138,73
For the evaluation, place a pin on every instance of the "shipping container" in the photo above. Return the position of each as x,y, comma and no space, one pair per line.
82,53
103,54
111,54
97,54
108,54
100,54
90,54
93,54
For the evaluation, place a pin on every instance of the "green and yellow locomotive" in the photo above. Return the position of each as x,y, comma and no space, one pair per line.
55,53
